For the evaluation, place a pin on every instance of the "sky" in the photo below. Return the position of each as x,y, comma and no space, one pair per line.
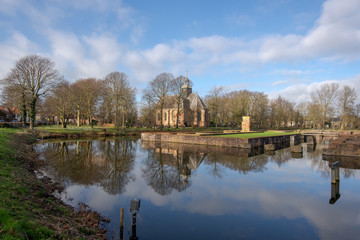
279,47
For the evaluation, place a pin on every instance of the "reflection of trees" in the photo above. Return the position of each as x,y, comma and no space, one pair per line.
281,156
241,164
317,163
215,168
165,170
107,163
119,162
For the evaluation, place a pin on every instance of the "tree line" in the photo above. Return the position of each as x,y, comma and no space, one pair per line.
34,86
328,103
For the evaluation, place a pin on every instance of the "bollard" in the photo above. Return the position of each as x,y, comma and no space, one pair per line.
333,180
337,173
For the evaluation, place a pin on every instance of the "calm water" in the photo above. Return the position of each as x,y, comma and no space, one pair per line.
202,192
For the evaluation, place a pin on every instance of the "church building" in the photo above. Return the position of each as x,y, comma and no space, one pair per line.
193,112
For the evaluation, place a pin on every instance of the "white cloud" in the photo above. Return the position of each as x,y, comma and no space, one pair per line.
14,48
335,36
88,56
301,92
337,32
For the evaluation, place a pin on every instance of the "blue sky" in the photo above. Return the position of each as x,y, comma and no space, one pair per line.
280,47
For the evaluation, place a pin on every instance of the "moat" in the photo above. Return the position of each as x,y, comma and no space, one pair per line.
197,192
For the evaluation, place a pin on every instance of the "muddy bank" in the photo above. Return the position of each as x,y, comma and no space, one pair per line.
47,210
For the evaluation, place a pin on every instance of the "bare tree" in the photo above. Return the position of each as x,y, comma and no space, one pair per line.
314,113
179,94
159,88
87,95
346,104
213,102
325,97
259,109
33,75
59,102
148,109
129,108
280,112
119,91
78,98
303,110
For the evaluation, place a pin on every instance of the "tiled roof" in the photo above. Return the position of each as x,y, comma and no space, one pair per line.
193,101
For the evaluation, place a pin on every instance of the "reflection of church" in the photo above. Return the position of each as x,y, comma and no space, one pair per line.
185,161
193,111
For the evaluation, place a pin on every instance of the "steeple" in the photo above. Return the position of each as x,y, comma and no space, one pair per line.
186,88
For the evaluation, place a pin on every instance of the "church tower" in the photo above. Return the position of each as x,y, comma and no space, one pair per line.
186,88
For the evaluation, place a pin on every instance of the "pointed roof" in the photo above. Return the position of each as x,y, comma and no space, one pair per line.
196,102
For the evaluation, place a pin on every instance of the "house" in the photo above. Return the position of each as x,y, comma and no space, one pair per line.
192,112
9,114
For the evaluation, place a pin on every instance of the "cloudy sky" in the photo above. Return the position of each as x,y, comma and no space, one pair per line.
280,47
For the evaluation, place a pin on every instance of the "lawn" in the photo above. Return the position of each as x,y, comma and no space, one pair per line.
72,128
255,135
27,208
16,216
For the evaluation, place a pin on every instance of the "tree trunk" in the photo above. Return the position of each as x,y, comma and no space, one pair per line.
177,116
63,121
161,117
90,122
32,112
78,117
23,109
123,119
116,119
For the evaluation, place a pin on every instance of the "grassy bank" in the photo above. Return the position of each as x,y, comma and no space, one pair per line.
27,208
255,135
71,128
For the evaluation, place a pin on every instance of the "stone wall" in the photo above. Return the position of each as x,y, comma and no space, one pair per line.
344,146
214,141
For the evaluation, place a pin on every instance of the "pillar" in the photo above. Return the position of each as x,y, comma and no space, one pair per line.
335,182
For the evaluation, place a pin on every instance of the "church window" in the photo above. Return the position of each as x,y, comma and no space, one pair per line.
159,116
165,116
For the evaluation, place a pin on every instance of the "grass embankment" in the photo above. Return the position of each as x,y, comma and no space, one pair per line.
71,128
256,135
27,208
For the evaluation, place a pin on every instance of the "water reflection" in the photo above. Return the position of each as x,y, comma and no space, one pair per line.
108,163
165,171
208,192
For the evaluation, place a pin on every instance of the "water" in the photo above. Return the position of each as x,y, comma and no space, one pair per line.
203,192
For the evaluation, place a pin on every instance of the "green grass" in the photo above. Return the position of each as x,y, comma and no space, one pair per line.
72,128
255,135
27,208
16,217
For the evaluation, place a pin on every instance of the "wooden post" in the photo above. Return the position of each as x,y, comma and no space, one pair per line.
121,223
121,217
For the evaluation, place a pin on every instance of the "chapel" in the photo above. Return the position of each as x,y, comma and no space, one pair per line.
193,112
